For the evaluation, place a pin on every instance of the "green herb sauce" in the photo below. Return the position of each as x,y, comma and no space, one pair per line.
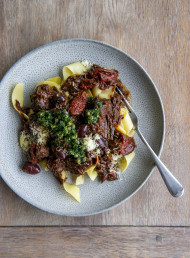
92,115
61,124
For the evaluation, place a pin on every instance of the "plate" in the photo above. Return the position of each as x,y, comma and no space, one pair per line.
43,190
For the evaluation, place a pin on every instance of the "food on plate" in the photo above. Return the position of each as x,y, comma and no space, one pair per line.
77,125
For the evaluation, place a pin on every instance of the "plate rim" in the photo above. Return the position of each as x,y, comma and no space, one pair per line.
162,113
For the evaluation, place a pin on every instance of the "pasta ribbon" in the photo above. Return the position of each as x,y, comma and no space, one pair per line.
17,99
63,174
91,172
80,180
73,69
126,126
72,190
125,160
24,142
43,164
56,79
88,91
103,94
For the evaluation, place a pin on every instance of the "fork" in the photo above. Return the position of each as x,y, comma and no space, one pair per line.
173,185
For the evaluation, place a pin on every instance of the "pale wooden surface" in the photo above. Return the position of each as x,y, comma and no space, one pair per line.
156,34
95,242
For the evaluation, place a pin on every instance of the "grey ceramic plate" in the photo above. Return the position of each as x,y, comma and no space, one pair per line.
43,190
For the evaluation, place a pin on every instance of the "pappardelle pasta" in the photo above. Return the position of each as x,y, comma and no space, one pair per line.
77,124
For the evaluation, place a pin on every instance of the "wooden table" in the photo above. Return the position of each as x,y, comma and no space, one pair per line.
151,223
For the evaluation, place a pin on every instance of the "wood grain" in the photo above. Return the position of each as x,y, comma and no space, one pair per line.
95,242
157,35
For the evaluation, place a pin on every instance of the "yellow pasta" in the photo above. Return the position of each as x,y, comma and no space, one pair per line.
120,128
73,69
125,161
103,94
56,79
127,122
17,96
80,180
72,190
89,92
24,141
91,172
126,126
43,164
63,174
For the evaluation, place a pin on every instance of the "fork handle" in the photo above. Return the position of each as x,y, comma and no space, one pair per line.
173,185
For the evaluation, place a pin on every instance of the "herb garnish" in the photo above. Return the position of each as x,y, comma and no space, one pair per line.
61,124
92,115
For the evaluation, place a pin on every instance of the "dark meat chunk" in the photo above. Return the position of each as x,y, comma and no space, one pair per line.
42,151
74,168
109,117
56,165
123,89
115,143
37,152
87,83
79,103
72,85
128,145
32,154
105,77
103,168
102,143
42,96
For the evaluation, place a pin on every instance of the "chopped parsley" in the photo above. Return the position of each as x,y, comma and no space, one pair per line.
92,115
44,118
61,124
99,103
90,99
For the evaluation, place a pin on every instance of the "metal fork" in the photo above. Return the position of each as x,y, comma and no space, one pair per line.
173,185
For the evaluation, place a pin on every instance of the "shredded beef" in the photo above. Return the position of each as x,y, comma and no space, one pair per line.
103,168
56,165
37,152
115,144
109,117
71,85
123,89
77,169
41,98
